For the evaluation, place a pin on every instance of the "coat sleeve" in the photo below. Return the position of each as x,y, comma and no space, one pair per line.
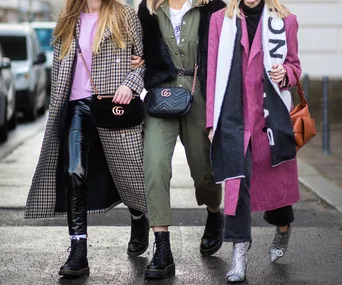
135,79
292,61
56,63
213,44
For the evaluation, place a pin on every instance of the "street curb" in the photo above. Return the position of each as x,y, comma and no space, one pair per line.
21,134
319,185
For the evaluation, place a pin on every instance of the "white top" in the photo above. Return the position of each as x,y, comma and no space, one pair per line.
176,18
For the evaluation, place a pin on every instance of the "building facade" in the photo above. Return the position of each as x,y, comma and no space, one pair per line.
320,34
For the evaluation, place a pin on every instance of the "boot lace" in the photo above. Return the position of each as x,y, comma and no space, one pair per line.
160,247
75,250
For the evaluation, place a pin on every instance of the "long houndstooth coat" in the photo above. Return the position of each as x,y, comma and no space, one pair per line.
119,153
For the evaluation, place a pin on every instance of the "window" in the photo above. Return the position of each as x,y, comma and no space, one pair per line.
14,47
44,36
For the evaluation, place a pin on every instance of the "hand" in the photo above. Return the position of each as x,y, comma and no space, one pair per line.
137,61
123,95
210,136
277,73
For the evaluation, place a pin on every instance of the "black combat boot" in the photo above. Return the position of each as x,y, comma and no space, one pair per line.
139,236
213,234
77,263
161,265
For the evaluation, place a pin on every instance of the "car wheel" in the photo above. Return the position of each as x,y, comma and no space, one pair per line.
12,124
4,128
32,113
42,110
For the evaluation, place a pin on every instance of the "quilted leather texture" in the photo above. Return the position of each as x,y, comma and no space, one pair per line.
170,102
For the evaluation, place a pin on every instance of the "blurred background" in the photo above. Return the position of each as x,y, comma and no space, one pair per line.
320,51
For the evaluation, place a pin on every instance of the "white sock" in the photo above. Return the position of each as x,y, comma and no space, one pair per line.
78,237
137,217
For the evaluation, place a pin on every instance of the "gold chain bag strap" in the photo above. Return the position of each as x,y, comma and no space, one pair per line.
107,114
303,125
171,102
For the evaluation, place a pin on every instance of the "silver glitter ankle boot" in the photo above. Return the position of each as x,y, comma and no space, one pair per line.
237,271
279,244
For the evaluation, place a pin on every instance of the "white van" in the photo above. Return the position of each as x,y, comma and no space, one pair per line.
20,44
44,35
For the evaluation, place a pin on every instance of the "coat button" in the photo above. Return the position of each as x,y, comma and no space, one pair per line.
184,23
176,53
183,40
117,60
122,135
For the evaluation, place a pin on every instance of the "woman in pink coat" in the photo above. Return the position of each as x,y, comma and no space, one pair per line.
252,59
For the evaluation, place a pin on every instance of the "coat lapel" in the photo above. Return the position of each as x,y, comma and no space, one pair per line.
244,38
257,43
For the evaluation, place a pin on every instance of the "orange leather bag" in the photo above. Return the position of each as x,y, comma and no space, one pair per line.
303,125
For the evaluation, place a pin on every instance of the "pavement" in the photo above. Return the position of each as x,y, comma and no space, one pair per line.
31,251
321,173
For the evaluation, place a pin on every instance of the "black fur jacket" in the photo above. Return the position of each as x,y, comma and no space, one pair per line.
159,65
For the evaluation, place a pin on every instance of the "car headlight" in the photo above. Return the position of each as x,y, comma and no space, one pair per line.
21,76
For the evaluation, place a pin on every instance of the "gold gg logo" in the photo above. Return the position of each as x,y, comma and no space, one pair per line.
118,111
166,93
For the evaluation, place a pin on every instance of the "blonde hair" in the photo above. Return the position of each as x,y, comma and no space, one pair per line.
233,6
112,14
154,5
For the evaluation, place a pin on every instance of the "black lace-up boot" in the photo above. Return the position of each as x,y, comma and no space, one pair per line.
139,236
213,234
77,263
161,265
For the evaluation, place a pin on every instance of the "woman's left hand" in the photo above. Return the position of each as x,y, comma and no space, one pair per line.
278,73
137,61
123,95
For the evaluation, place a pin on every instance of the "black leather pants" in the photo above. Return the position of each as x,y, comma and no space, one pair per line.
77,144
80,130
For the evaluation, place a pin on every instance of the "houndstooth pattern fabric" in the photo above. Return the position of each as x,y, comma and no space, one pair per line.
124,152
110,68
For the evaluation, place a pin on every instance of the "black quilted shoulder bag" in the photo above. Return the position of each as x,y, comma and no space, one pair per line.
171,102
107,114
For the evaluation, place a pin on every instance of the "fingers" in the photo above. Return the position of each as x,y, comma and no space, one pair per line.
277,73
123,95
115,96
137,61
126,99
282,84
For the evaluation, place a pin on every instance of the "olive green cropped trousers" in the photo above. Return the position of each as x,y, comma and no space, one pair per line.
160,137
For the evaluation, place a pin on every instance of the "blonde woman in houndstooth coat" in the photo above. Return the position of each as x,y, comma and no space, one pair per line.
85,169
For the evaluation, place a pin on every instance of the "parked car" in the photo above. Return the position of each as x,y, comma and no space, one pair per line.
20,44
7,97
44,34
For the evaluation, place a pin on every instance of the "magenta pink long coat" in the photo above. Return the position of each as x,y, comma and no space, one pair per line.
271,187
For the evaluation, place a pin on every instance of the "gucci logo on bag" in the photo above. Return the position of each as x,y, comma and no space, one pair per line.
166,93
118,111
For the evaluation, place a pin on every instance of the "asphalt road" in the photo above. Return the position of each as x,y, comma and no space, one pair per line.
31,251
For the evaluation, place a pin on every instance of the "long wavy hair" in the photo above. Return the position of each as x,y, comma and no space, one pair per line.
111,15
154,5
233,6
